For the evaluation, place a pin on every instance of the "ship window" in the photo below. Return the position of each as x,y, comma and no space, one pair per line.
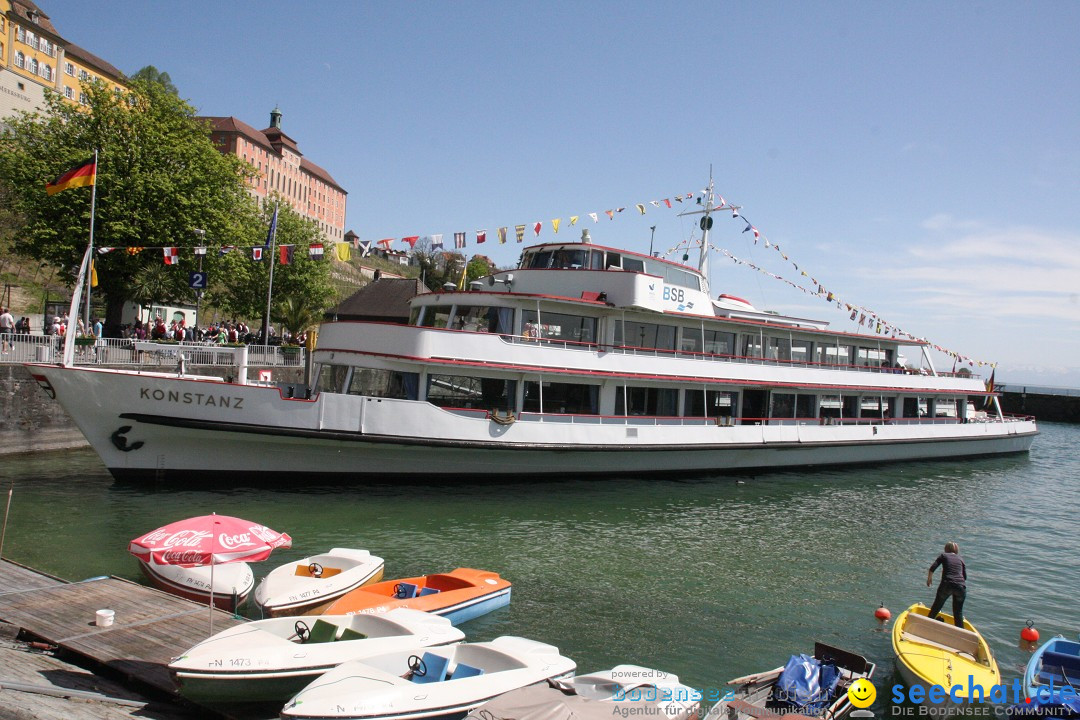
539,260
633,264
833,354
560,326
872,357
654,402
709,403
945,408
483,318
435,316
414,316
801,350
332,378
569,259
460,391
915,407
778,348
569,398
783,405
645,335
384,383
751,346
614,260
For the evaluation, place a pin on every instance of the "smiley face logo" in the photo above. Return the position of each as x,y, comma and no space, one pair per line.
862,693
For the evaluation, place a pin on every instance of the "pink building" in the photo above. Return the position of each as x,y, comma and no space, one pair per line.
283,169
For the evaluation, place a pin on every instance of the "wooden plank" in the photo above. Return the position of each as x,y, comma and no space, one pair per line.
150,629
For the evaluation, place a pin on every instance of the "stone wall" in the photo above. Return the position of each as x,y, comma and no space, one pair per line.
1052,408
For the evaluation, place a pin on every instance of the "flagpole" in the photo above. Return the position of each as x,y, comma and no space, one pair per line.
90,266
270,286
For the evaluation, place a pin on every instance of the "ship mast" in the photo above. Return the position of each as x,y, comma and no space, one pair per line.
708,205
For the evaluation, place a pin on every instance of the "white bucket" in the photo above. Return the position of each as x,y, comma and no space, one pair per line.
105,618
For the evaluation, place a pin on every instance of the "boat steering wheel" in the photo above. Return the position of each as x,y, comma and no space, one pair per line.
399,592
315,570
417,666
302,631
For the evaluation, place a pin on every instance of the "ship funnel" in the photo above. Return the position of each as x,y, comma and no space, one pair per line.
585,236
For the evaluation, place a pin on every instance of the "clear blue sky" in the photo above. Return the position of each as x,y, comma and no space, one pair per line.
919,159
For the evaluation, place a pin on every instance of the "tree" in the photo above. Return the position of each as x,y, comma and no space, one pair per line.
242,293
158,178
152,74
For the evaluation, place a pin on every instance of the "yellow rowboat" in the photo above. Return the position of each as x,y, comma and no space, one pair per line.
931,652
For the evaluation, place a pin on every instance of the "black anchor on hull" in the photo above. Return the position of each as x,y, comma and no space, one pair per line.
121,442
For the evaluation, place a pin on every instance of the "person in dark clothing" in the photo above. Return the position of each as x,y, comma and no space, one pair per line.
953,583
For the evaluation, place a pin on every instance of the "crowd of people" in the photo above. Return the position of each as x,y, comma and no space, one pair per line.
156,329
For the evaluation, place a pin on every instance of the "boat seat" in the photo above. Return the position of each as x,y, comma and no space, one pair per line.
436,669
304,571
1060,668
921,629
428,591
350,634
404,591
322,631
464,671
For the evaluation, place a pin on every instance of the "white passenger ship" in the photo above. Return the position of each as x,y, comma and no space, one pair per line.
583,360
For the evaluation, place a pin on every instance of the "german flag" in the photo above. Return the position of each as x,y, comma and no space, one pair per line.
82,175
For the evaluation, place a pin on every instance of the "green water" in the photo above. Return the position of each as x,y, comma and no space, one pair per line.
708,578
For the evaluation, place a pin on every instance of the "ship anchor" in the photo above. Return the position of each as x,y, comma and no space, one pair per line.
121,442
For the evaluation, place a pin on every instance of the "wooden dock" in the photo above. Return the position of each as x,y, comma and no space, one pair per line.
151,627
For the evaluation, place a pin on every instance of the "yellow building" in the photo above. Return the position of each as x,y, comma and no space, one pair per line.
35,57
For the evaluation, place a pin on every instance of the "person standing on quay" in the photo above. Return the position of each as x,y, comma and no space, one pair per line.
953,583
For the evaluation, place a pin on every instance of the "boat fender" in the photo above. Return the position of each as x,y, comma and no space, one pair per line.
507,419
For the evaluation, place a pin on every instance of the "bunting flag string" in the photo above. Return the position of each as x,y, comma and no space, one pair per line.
866,318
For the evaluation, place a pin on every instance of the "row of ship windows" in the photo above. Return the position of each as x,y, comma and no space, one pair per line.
580,331
597,259
499,394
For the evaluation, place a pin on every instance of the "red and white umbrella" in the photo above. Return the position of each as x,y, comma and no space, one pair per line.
208,540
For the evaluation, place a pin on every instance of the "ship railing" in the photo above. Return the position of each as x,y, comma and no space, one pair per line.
719,357
565,418
126,351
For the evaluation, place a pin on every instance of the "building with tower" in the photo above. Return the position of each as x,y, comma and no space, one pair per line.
283,170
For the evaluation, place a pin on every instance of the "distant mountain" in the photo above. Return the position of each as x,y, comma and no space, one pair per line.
1017,376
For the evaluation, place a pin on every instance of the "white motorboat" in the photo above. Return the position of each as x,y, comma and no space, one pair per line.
623,691
232,582
274,659
583,360
308,586
435,683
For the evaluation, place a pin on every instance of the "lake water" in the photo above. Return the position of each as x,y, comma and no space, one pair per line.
709,578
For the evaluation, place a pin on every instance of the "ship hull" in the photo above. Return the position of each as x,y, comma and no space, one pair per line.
157,427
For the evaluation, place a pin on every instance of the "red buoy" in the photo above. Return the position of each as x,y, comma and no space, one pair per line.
1029,633
882,614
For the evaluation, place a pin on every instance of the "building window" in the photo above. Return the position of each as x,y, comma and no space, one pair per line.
69,69
19,59
20,34
69,93
82,98
32,65
83,75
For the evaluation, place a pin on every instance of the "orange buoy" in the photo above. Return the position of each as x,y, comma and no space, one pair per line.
882,614
1029,637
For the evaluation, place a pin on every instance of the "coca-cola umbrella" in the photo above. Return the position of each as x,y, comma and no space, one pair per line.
208,540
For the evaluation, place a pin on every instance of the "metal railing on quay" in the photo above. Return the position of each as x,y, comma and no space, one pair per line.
22,348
